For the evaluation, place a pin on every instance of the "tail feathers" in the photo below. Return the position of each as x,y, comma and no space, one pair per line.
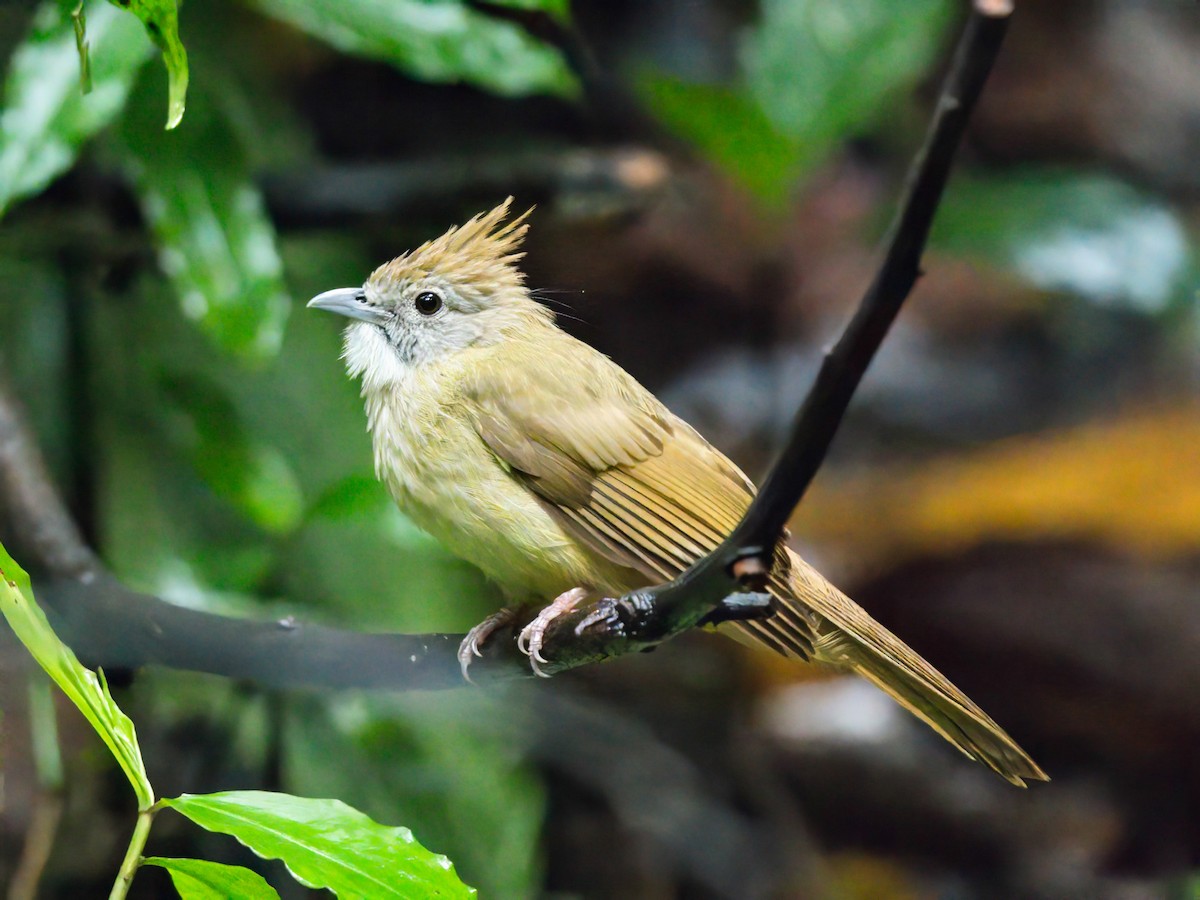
847,637
939,704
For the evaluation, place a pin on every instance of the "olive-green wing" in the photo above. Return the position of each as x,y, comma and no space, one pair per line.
624,476
642,489
557,418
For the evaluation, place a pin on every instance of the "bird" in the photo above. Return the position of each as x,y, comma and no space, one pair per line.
536,457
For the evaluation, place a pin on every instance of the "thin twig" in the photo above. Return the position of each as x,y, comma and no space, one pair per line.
48,802
647,617
39,842
844,365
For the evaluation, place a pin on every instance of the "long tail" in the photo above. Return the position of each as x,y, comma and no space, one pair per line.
820,622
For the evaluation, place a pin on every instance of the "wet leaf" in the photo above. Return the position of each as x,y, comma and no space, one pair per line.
46,117
214,238
433,40
483,804
199,879
87,690
325,843
161,18
79,21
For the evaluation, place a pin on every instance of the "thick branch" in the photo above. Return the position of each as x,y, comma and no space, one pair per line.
107,624
34,523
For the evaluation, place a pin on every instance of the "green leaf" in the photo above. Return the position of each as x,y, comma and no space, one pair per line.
559,9
251,474
1078,232
352,496
214,238
325,843
199,879
79,21
433,40
83,687
46,118
256,478
484,804
813,73
730,129
161,18
823,69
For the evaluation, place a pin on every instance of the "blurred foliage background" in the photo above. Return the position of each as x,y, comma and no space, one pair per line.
1016,492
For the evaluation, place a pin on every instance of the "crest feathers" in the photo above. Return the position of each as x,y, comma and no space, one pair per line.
482,250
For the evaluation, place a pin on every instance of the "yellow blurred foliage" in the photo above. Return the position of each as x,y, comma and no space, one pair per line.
859,876
1132,484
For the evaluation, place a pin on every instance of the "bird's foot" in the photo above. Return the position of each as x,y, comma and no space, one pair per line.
480,634
530,639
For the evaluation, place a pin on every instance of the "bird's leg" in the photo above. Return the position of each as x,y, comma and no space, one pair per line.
479,635
530,639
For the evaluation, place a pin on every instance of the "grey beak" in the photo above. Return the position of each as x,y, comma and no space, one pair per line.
350,302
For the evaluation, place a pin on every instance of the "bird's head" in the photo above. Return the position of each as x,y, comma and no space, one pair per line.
457,291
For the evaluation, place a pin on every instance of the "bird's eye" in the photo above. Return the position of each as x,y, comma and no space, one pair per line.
428,303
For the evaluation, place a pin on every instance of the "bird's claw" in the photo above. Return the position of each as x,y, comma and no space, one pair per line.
479,635
529,641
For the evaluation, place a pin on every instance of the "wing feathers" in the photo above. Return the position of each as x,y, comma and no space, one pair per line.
556,474
688,543
644,491
654,566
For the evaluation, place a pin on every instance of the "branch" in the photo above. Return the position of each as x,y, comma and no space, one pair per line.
612,178
108,624
34,523
648,617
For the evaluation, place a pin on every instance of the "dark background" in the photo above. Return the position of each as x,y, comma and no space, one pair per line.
1016,491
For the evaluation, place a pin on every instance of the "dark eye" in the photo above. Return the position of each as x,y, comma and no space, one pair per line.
428,303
